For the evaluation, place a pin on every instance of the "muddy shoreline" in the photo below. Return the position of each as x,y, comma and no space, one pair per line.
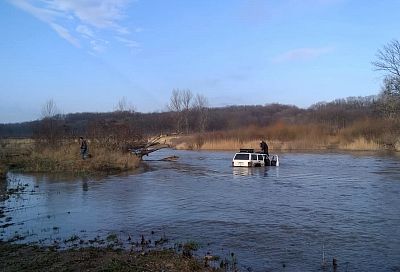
17,257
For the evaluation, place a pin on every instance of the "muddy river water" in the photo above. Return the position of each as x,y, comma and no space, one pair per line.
340,205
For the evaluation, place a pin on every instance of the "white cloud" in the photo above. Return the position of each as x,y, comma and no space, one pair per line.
97,13
43,14
64,33
123,31
98,45
128,43
74,19
85,31
302,54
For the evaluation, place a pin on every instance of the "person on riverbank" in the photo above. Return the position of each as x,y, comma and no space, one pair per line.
84,147
264,147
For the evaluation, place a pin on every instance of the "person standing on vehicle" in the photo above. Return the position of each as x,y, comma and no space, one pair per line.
84,147
264,147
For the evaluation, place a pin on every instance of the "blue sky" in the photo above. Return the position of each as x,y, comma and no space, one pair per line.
88,54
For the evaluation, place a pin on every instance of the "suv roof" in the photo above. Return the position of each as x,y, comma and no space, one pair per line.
246,150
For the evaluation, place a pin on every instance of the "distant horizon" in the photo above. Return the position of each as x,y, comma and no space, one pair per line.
86,55
167,110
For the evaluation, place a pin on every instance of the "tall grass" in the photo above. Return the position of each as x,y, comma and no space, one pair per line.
361,144
366,134
385,133
66,158
279,137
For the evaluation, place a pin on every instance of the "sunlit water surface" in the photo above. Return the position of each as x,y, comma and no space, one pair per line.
345,205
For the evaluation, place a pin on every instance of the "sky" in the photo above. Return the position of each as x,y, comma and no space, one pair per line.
86,55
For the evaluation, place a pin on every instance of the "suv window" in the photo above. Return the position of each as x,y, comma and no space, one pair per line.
260,157
241,156
253,157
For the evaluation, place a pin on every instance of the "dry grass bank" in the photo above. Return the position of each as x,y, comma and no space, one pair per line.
361,144
368,135
65,158
255,144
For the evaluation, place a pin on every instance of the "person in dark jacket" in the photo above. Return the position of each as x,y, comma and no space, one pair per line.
264,147
84,147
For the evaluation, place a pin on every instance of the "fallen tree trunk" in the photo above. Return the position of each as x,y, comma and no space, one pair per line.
152,145
147,150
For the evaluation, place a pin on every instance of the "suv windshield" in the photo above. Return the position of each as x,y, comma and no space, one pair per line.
241,156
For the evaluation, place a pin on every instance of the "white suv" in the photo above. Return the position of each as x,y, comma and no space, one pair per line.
248,158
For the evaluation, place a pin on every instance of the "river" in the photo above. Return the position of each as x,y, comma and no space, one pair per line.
340,205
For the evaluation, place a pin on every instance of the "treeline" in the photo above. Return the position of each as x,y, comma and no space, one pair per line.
344,119
336,115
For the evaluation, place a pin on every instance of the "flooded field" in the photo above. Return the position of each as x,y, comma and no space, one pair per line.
340,205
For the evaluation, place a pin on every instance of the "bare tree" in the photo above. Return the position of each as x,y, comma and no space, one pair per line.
201,108
186,97
389,59
124,106
49,109
51,128
175,103
390,97
181,103
389,63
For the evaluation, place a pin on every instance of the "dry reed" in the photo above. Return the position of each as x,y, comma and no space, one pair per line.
366,134
66,158
361,144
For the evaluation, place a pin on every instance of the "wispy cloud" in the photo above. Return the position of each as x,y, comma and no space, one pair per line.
99,46
74,20
85,31
99,13
64,33
129,43
43,14
302,54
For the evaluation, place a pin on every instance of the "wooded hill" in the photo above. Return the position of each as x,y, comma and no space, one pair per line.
337,114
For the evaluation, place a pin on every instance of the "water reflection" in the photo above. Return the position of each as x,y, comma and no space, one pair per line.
250,171
85,184
3,189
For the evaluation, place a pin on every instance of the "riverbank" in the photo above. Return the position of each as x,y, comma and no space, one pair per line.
15,257
200,142
64,157
366,135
